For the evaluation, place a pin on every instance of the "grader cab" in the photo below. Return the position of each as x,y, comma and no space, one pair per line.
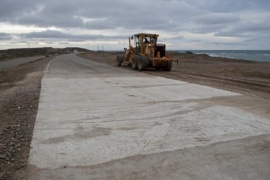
146,53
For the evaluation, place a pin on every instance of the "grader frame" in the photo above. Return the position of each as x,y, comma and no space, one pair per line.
146,53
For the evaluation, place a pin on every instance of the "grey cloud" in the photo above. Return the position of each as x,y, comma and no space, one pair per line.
176,38
223,18
126,14
51,34
47,34
231,5
5,36
64,43
153,15
217,18
171,15
246,29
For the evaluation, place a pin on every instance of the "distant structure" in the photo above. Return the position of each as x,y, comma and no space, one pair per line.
100,51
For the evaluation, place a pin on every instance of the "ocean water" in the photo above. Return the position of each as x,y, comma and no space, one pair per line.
254,55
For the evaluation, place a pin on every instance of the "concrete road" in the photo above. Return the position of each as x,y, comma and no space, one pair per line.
101,122
18,61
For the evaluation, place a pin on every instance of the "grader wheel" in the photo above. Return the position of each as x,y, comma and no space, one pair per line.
168,66
119,59
142,63
134,62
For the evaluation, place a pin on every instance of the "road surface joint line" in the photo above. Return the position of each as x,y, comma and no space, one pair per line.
47,68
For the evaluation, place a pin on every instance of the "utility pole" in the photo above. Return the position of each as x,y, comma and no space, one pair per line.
28,49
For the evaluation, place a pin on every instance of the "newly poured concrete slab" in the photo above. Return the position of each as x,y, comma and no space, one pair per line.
90,114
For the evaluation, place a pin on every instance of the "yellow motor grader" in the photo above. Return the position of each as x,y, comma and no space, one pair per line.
146,53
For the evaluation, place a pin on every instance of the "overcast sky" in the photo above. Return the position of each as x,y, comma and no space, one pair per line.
181,24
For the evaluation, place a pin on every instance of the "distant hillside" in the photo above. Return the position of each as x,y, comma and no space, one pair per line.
28,52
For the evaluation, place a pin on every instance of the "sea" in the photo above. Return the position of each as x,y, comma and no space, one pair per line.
254,55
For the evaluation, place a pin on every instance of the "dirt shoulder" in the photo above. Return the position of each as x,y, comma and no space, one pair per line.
19,97
245,77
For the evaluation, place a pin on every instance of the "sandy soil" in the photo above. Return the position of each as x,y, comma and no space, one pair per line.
245,77
19,97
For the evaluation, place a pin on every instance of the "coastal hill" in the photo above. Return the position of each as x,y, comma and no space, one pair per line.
28,52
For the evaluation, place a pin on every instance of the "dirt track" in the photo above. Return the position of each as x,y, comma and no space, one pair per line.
245,77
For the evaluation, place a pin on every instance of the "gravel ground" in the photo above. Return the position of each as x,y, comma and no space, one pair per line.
19,97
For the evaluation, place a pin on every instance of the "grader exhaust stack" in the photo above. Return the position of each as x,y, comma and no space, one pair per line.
146,53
